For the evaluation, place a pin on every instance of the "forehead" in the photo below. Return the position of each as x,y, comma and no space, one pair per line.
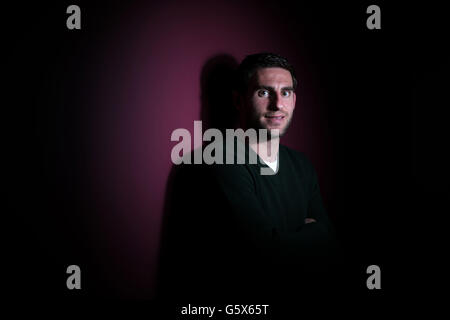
273,76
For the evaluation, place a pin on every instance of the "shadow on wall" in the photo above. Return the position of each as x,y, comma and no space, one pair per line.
216,81
184,182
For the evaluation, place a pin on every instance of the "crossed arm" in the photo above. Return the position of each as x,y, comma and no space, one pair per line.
238,194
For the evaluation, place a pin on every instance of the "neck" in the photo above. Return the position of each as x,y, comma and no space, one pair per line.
268,149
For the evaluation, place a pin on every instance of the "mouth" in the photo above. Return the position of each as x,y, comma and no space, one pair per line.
275,119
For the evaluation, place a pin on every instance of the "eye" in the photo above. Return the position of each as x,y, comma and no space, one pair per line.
286,93
263,93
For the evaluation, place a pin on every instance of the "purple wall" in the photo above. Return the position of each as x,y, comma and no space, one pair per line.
147,84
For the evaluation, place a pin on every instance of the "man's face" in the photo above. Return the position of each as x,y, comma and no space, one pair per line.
270,101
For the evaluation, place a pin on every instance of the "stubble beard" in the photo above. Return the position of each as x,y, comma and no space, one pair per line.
256,123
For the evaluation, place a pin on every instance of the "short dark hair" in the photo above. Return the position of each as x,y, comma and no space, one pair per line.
253,62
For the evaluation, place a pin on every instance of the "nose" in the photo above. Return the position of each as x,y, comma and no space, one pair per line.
276,102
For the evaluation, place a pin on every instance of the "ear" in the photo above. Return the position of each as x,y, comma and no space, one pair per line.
295,99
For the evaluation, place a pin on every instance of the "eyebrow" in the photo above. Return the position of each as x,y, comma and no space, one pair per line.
272,88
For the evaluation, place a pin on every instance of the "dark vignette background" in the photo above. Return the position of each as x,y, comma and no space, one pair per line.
384,97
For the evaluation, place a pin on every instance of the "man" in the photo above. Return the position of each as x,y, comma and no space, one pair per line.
281,215
250,233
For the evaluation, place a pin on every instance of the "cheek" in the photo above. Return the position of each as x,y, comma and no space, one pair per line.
291,106
259,105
